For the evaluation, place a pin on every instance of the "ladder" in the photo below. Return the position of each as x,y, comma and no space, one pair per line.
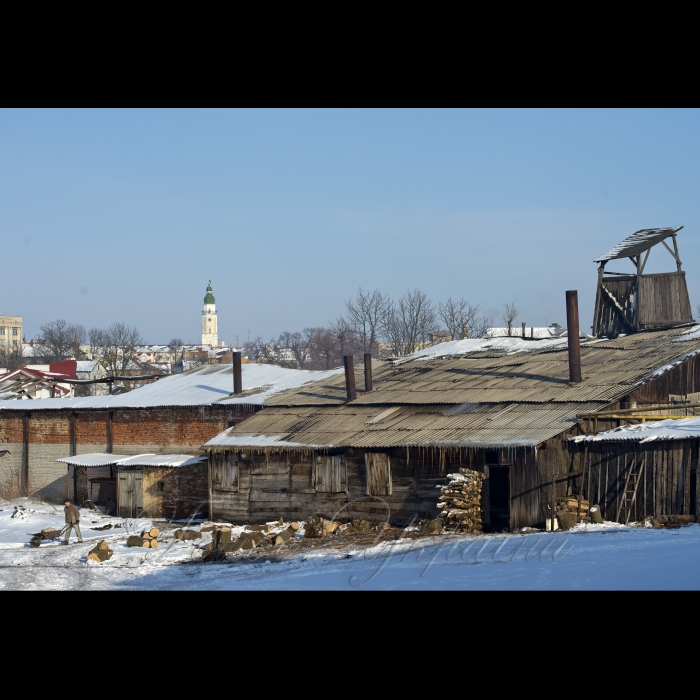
629,493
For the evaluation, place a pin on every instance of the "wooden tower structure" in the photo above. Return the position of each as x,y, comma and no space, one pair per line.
627,302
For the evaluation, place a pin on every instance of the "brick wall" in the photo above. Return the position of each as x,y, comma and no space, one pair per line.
134,431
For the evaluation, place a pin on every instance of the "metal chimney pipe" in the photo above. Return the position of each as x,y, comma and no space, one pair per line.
523,324
237,378
572,332
368,371
349,377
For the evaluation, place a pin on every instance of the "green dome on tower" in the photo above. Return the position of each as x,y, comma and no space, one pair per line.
209,298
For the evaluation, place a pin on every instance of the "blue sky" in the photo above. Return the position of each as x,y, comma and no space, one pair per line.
124,215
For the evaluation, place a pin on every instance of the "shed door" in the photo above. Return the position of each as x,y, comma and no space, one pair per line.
330,474
130,494
378,474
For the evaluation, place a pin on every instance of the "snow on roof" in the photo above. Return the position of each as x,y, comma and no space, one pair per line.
669,429
85,365
93,459
503,345
203,386
152,460
226,440
99,459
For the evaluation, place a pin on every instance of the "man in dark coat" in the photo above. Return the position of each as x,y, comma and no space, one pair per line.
72,520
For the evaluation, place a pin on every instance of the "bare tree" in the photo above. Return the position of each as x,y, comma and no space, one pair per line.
345,338
59,339
462,319
176,347
298,343
11,357
115,347
509,315
410,322
366,314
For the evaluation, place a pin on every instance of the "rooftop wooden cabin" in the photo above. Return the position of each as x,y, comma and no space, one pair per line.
627,302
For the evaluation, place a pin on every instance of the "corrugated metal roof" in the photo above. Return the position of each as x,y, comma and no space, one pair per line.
523,398
610,369
95,459
669,429
351,426
152,460
203,386
638,242
101,459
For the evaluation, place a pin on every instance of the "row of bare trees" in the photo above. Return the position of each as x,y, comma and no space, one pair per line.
402,326
113,346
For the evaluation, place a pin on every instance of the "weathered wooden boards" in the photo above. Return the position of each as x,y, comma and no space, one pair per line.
460,502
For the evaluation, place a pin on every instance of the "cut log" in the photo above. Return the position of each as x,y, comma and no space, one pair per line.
154,532
100,552
285,536
294,526
136,541
220,537
35,541
153,543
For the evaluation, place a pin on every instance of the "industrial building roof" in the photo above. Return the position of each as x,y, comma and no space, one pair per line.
473,398
638,242
202,386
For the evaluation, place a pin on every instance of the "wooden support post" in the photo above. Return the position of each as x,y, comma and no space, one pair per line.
598,299
110,444
675,248
24,471
583,478
639,289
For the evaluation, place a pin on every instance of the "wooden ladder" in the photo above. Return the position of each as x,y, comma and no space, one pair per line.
629,493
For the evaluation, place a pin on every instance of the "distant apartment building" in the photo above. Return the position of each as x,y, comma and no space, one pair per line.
10,332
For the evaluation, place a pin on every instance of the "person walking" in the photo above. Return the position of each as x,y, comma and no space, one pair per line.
72,519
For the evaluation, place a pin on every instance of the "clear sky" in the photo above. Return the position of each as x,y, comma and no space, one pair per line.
124,215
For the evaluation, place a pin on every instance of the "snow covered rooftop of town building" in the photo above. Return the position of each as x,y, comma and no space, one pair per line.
668,429
202,386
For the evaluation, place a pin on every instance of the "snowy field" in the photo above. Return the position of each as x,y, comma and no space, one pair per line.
592,557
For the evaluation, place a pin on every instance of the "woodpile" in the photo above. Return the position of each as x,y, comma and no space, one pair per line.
101,552
147,539
321,527
566,510
460,502
671,521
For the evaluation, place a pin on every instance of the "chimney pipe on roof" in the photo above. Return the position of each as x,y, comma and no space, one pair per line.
368,371
572,332
237,379
349,377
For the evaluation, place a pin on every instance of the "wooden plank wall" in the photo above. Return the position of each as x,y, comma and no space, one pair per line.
609,322
663,299
665,487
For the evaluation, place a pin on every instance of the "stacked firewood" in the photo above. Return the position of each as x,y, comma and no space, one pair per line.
146,539
460,503
567,511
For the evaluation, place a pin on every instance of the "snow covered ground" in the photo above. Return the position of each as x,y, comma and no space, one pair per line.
601,557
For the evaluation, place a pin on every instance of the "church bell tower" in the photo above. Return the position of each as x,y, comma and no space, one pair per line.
210,329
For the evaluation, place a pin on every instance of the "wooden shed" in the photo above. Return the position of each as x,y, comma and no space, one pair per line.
147,485
504,406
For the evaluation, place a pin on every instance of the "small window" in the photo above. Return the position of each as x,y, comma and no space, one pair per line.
15,331
161,486
2,330
330,474
224,472
378,474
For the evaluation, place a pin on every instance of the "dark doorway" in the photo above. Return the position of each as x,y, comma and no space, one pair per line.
499,498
